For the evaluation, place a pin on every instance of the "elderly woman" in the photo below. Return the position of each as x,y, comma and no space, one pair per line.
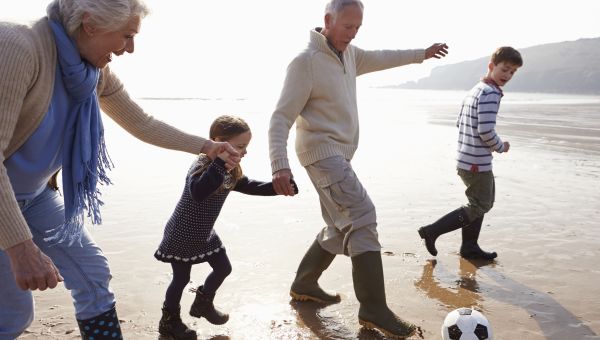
54,80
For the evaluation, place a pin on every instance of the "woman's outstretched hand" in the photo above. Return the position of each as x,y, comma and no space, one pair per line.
224,151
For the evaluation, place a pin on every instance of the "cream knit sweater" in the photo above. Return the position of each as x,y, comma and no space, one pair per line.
27,68
319,95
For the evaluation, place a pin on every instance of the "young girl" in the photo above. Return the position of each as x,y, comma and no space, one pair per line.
189,237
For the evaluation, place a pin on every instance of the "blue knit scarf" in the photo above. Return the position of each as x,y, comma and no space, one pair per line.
85,160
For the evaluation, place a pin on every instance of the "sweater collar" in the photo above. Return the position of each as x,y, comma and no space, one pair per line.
491,82
320,42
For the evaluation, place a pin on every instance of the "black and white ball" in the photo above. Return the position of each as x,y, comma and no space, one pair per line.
466,324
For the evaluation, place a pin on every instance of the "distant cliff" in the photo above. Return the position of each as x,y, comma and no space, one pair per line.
564,67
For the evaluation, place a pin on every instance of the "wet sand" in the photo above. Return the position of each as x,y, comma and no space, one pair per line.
544,226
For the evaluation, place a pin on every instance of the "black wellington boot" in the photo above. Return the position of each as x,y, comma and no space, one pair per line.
305,286
101,327
367,275
170,324
451,221
470,248
203,307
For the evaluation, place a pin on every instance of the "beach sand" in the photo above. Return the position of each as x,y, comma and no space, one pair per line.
544,226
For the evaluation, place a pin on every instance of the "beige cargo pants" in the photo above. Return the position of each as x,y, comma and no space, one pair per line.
346,208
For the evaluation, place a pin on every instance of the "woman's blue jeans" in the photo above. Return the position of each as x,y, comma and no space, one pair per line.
84,268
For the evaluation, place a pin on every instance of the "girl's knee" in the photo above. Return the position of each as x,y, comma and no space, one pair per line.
227,269
223,269
220,264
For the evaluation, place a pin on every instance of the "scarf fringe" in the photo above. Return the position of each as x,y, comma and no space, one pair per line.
104,162
86,199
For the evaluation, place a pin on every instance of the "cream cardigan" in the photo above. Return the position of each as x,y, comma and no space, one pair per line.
27,69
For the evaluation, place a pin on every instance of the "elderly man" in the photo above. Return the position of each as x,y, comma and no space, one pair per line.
319,95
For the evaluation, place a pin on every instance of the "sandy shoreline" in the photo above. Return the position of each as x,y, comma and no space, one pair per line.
544,227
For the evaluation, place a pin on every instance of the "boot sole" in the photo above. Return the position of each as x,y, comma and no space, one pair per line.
171,336
304,298
199,316
478,257
371,326
209,321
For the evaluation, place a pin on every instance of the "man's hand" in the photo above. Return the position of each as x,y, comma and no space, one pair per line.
32,268
506,146
437,51
212,149
282,182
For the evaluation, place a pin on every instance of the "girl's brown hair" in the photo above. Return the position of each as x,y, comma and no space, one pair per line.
224,128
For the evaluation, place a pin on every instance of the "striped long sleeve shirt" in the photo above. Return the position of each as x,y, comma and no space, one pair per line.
476,123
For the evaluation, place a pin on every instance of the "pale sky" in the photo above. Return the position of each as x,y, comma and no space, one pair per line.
200,48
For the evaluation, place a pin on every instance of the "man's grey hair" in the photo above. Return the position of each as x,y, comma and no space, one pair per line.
336,6
107,15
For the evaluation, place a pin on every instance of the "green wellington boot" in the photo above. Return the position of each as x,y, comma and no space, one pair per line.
367,274
470,248
305,286
449,222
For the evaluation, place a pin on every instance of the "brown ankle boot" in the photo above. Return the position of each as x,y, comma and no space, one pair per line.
203,307
171,325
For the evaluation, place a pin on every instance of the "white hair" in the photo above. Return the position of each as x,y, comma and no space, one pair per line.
336,6
107,15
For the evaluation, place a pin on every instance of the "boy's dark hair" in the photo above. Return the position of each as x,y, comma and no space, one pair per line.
508,55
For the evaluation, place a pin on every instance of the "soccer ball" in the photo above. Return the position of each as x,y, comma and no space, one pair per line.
466,324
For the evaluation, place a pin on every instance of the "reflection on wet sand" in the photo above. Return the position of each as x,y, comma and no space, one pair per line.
554,320
327,322
463,293
466,291
322,323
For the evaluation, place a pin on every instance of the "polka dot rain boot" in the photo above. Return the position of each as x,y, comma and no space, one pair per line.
101,327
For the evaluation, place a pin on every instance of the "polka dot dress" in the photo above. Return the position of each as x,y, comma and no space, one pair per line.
189,235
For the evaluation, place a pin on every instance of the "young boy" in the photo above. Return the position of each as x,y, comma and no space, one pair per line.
477,139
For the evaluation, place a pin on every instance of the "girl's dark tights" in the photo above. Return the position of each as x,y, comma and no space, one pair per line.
221,268
181,277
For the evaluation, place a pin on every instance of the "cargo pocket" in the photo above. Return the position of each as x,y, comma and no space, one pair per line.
343,188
